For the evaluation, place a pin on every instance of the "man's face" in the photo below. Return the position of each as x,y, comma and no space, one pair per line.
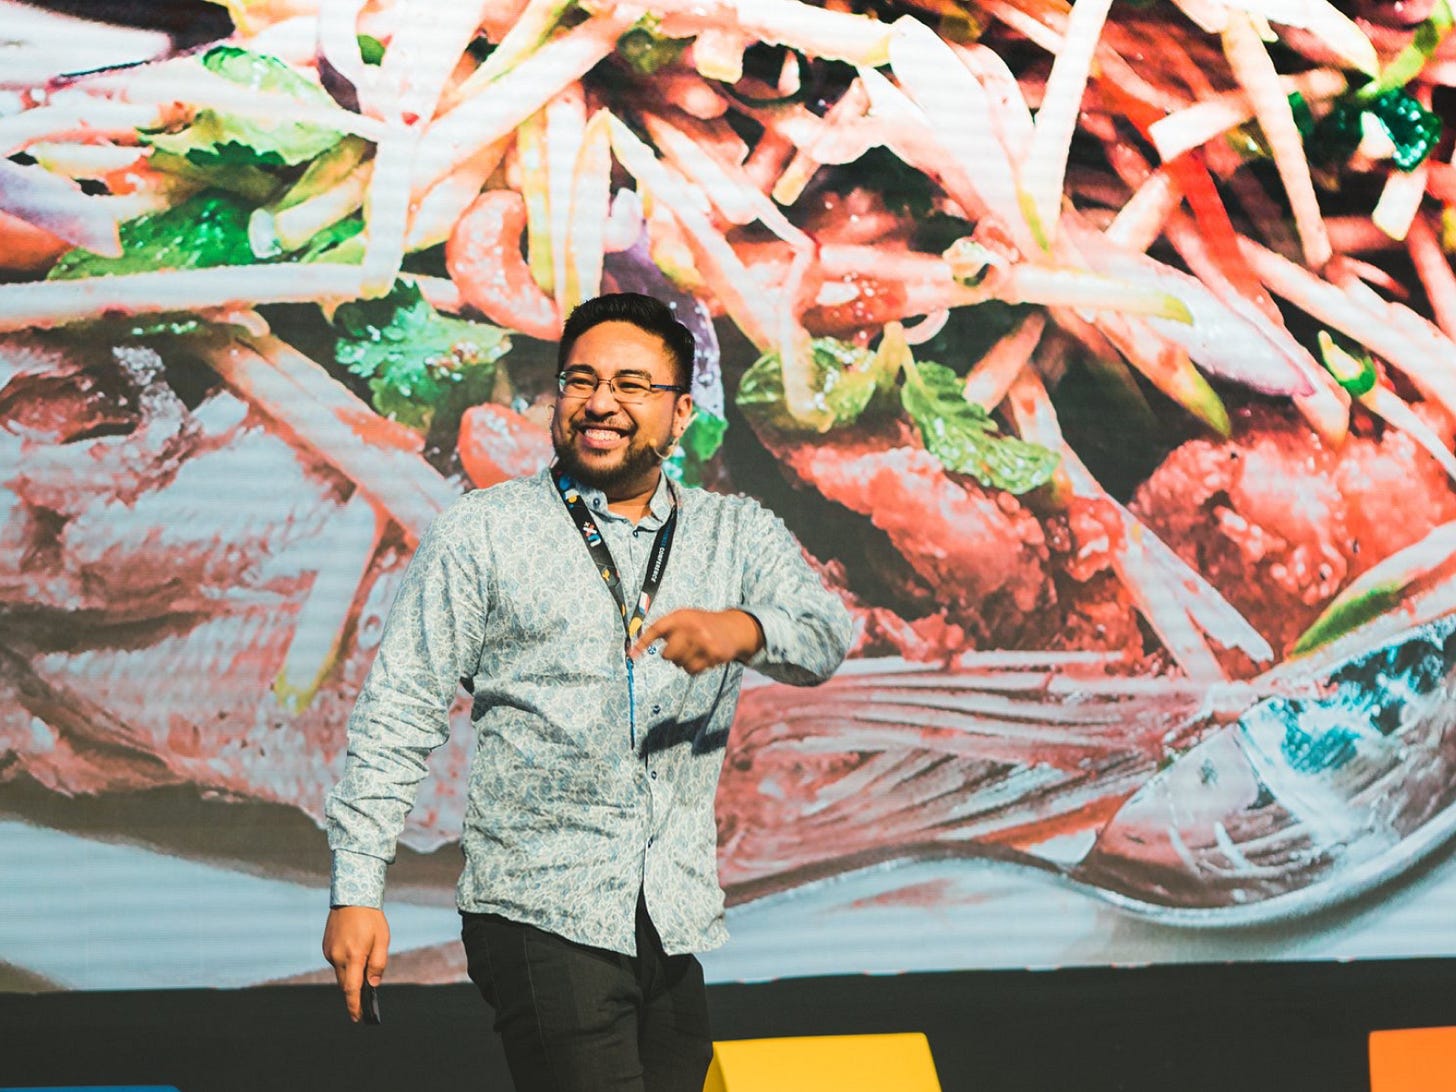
603,443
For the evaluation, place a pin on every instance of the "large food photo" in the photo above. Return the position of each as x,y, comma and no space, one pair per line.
1099,354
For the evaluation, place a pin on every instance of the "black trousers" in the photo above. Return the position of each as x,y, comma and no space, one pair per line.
574,1018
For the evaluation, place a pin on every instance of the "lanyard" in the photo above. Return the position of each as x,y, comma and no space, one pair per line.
606,567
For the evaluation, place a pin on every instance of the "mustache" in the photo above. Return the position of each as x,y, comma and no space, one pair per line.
579,423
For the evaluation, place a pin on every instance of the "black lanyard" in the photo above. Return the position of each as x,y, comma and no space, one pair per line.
656,562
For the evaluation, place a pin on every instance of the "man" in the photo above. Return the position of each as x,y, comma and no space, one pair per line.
601,617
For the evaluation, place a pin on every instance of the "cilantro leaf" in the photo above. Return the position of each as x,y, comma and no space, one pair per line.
1414,131
208,229
845,376
420,364
965,438
216,138
851,382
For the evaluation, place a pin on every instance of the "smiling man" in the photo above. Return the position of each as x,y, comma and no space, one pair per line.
616,419
602,617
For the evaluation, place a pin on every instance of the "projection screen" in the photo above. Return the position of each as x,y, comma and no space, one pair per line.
1100,356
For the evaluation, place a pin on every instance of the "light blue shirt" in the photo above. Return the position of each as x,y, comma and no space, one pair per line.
565,821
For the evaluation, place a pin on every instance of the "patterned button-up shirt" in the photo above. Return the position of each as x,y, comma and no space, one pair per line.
566,820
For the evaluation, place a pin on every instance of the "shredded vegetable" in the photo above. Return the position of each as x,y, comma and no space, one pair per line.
816,180
217,138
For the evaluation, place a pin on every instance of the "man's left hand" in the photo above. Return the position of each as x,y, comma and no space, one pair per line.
699,640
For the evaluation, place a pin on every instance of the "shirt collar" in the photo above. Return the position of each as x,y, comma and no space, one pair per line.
658,509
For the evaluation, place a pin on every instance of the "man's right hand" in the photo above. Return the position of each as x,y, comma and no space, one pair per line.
356,943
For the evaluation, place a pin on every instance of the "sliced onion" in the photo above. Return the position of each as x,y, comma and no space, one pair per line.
53,204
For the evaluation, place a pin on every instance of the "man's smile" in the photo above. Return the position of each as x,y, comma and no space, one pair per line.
600,437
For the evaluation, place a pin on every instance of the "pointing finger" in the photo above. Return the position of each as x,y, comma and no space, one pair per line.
654,632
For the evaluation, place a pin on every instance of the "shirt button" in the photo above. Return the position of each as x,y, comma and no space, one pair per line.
657,709
650,841
653,775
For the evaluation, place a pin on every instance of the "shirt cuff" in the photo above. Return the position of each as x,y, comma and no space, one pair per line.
358,879
776,630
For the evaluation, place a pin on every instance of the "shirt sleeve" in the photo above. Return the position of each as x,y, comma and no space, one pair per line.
432,637
806,629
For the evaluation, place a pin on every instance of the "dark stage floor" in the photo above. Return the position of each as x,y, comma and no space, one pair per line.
1235,1028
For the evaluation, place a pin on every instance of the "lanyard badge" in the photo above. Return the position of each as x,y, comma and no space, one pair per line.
607,568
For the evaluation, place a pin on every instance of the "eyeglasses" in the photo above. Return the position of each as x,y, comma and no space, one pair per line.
626,388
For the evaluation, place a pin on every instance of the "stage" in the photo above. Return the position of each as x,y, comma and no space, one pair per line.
1224,1028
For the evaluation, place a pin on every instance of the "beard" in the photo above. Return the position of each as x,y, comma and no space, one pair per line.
633,464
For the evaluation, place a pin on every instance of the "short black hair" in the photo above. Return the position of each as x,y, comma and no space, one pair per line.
644,312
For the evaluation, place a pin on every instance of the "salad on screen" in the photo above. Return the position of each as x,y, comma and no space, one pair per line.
1100,355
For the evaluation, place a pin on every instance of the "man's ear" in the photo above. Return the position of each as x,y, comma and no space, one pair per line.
682,417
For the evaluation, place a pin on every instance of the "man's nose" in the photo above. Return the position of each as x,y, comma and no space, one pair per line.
602,400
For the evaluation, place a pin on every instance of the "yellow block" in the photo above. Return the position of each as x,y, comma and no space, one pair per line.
1413,1060
824,1063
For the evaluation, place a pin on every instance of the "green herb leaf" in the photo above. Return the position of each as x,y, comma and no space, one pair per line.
846,377
704,436
1414,130
216,138
420,364
647,50
1334,138
965,438
1352,367
701,441
1303,116
371,49
208,229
